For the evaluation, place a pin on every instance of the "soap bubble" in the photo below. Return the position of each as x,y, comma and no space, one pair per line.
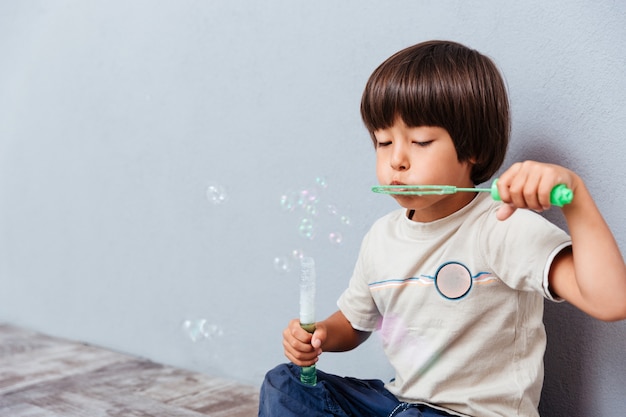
281,264
315,217
321,182
310,209
307,228
192,330
335,238
215,194
200,329
288,202
307,197
211,331
285,264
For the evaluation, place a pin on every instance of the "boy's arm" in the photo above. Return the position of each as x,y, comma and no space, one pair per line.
336,334
592,274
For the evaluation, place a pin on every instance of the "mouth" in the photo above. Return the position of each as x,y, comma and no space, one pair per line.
400,186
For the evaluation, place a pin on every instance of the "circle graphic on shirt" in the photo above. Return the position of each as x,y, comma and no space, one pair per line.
453,280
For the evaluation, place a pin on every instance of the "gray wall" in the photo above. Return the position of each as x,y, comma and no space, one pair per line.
122,123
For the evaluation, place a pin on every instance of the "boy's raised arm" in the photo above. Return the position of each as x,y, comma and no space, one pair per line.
592,274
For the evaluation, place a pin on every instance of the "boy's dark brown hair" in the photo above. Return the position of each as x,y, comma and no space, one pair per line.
448,85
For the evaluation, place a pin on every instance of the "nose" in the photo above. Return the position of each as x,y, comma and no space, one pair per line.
399,158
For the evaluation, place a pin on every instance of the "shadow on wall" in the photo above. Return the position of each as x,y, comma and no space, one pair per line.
568,359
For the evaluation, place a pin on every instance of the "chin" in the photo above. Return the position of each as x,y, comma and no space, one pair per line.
410,203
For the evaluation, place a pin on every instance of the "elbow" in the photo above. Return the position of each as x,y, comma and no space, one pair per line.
612,319
617,313
608,307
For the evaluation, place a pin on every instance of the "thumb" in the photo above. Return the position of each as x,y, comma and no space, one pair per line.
316,343
505,211
319,336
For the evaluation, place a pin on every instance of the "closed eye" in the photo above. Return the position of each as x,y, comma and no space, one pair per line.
424,143
382,144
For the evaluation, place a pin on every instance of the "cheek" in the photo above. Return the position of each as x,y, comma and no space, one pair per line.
380,176
380,169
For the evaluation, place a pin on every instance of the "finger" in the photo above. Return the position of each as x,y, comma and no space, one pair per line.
505,211
530,197
506,179
296,331
299,357
544,192
550,180
296,341
521,190
302,352
525,186
301,362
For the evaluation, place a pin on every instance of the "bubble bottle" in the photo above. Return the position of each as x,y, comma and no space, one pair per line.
308,374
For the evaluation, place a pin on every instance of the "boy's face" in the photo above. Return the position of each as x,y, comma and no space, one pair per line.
422,155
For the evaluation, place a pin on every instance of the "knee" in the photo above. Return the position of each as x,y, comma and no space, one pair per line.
282,394
282,371
280,376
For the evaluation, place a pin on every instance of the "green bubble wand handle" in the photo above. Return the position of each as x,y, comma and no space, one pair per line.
559,196
308,374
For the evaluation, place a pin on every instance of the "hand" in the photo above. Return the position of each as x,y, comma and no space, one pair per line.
528,185
301,347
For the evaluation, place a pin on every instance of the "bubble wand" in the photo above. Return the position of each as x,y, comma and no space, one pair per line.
559,196
308,374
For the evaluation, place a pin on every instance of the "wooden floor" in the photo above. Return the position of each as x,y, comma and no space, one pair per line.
42,376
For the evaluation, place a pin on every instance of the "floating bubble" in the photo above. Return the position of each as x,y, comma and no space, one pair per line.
321,182
215,194
288,202
281,264
307,197
317,216
297,254
306,228
211,331
310,209
335,238
200,329
192,330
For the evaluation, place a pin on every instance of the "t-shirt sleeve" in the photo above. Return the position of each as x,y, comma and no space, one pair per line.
546,282
356,302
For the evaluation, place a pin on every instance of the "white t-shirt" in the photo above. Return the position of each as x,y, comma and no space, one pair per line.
459,306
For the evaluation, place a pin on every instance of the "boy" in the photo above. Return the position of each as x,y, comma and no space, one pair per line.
454,283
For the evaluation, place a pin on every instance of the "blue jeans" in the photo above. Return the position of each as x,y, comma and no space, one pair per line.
283,395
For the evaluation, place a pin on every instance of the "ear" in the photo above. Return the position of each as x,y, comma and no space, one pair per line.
471,163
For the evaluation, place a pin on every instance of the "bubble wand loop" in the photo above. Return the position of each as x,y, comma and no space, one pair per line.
559,196
308,374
